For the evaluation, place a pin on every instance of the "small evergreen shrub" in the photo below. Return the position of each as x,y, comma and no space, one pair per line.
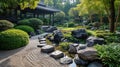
71,24
24,22
12,39
109,54
4,25
25,28
64,45
33,22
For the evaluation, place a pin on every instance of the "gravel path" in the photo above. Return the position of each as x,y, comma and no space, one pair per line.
29,56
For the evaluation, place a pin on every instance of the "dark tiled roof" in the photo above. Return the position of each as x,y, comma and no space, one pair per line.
47,8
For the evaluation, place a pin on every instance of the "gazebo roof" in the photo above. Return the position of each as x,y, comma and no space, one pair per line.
42,9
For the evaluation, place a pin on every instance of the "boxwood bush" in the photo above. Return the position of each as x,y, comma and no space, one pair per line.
109,54
4,25
33,22
12,39
25,28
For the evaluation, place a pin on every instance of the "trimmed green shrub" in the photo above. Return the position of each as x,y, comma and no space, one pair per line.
109,54
24,22
4,25
12,39
33,22
25,28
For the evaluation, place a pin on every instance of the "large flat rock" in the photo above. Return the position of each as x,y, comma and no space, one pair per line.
47,49
57,54
89,54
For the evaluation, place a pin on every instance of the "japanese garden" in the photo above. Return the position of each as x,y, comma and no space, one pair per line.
59,33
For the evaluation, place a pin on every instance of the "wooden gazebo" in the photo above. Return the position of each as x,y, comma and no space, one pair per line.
40,10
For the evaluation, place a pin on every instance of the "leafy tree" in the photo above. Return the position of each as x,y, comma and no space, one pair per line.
15,3
59,17
99,7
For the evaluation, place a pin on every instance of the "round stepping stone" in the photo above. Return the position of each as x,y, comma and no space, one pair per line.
41,45
42,42
57,54
47,49
66,60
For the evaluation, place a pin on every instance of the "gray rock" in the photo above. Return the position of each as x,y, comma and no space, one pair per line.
51,29
57,54
75,44
42,39
79,61
80,33
95,64
91,41
72,49
44,28
57,36
41,45
89,54
42,42
47,49
66,60
81,46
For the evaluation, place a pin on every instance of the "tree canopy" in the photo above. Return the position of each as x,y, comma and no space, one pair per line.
15,3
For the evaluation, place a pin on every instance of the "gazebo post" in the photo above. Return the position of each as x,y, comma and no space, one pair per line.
50,19
53,20
34,15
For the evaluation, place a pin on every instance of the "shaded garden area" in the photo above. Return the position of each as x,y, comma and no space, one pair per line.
84,32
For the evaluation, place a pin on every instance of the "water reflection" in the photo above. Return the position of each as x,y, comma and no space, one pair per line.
73,64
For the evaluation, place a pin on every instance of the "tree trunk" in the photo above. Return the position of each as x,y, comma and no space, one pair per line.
112,16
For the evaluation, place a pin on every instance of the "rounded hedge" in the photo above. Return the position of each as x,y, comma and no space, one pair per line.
12,39
24,22
33,22
4,25
25,28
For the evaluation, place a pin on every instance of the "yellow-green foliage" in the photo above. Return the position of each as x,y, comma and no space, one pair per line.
12,39
64,45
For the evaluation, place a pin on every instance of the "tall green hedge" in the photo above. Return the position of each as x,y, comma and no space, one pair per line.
12,39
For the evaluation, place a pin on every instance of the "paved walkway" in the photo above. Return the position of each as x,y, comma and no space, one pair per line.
29,56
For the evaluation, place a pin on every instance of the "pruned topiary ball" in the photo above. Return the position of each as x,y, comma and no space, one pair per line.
12,39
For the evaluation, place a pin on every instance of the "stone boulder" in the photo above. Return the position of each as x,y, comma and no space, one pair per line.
79,61
80,33
57,54
44,28
47,49
91,41
89,54
66,60
72,49
81,46
57,36
75,44
51,29
95,64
